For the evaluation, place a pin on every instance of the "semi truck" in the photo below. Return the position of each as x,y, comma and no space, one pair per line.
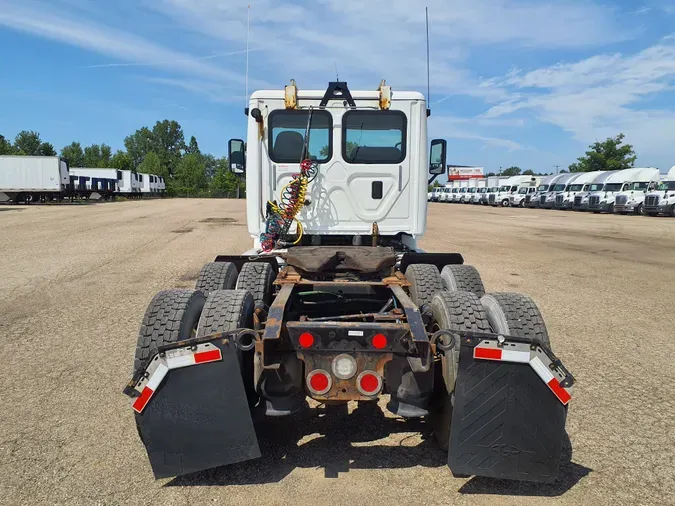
620,181
25,179
479,189
556,189
565,200
662,200
509,187
532,201
493,185
336,301
631,200
581,198
525,190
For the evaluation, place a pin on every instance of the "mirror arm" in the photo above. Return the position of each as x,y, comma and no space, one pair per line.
433,178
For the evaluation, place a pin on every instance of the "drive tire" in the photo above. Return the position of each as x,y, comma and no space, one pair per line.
257,278
505,203
462,278
454,311
425,282
217,276
173,315
229,310
672,210
638,210
514,314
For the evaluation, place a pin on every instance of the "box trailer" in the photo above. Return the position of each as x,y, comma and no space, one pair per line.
102,181
33,178
130,186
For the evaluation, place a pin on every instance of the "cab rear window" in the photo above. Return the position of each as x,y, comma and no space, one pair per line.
374,137
287,138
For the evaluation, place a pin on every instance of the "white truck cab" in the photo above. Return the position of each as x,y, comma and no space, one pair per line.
662,200
526,189
557,188
581,198
532,201
493,185
478,190
632,199
565,200
620,181
444,194
509,188
368,156
463,193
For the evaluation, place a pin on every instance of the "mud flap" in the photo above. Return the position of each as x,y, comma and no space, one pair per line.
199,418
506,422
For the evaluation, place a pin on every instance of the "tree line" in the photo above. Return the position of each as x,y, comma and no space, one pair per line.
160,150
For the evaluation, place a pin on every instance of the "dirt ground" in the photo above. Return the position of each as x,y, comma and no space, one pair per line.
75,281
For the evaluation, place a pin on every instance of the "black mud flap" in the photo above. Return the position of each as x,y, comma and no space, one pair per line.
506,422
199,418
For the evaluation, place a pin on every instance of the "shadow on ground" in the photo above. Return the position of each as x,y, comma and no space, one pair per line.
339,445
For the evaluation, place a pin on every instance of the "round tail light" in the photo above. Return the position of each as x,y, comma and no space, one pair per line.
306,340
379,341
319,382
369,383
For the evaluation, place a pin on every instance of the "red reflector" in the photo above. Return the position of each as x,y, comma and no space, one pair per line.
487,353
319,382
142,401
559,391
369,383
306,340
207,356
379,341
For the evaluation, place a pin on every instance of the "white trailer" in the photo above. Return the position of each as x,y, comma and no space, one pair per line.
145,183
33,178
662,201
130,186
87,181
603,201
581,183
477,191
632,199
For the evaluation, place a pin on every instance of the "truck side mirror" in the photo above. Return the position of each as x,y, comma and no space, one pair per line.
237,156
438,157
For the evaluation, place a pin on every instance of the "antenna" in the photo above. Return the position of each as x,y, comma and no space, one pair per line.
248,32
428,72
337,76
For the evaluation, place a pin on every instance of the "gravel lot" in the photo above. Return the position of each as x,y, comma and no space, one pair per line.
75,281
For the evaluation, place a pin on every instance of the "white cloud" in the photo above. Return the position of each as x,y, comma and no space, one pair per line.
600,96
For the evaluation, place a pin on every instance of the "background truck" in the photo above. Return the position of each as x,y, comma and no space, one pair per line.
581,198
620,181
335,301
33,178
532,201
480,189
662,201
526,189
130,184
631,200
508,188
557,188
494,183
574,187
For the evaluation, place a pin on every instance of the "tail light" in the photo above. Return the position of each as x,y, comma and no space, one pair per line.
369,383
379,341
306,340
319,382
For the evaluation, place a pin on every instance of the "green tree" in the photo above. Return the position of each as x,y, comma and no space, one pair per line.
139,144
27,143
47,149
106,154
6,147
169,143
73,154
351,146
490,174
92,156
193,147
611,154
151,164
191,172
511,171
528,172
121,161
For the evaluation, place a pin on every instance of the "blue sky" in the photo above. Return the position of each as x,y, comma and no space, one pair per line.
514,82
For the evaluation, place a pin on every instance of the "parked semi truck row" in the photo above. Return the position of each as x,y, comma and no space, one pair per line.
25,179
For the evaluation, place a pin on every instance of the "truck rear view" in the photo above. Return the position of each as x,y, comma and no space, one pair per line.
335,301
